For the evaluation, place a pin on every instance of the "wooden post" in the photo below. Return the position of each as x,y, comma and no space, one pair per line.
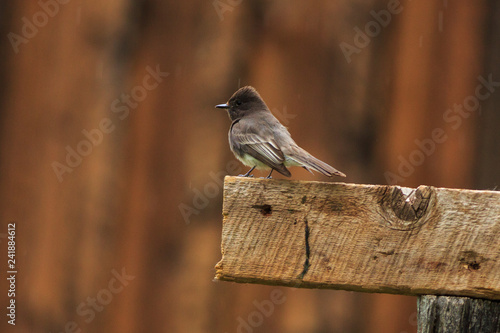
451,314
370,238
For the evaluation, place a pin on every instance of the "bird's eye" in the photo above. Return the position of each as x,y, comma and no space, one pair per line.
238,102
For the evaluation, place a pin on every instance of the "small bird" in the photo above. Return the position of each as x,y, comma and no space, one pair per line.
260,141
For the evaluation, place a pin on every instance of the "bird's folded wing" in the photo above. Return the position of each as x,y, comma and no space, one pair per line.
265,150
261,146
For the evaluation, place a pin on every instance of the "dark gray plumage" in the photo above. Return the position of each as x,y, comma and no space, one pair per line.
260,141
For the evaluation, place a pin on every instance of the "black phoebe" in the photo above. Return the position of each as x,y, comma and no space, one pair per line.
259,140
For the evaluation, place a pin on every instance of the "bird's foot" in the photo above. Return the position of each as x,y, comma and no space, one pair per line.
269,175
246,175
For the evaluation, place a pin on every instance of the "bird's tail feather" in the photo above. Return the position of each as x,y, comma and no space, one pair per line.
310,162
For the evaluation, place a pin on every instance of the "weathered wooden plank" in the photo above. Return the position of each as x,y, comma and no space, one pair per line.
445,314
369,238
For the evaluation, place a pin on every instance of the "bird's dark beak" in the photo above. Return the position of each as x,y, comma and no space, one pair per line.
222,106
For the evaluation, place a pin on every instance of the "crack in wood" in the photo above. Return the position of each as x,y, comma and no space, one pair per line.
386,253
308,252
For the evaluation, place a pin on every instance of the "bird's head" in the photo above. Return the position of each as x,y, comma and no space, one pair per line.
243,102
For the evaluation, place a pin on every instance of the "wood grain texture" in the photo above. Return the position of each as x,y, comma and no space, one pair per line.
369,238
444,314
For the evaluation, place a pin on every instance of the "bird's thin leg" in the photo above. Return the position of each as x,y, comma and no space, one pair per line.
269,175
248,173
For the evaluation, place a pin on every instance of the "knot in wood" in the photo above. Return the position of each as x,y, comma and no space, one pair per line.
405,211
410,207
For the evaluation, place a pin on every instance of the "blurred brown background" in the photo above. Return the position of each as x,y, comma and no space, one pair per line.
123,236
